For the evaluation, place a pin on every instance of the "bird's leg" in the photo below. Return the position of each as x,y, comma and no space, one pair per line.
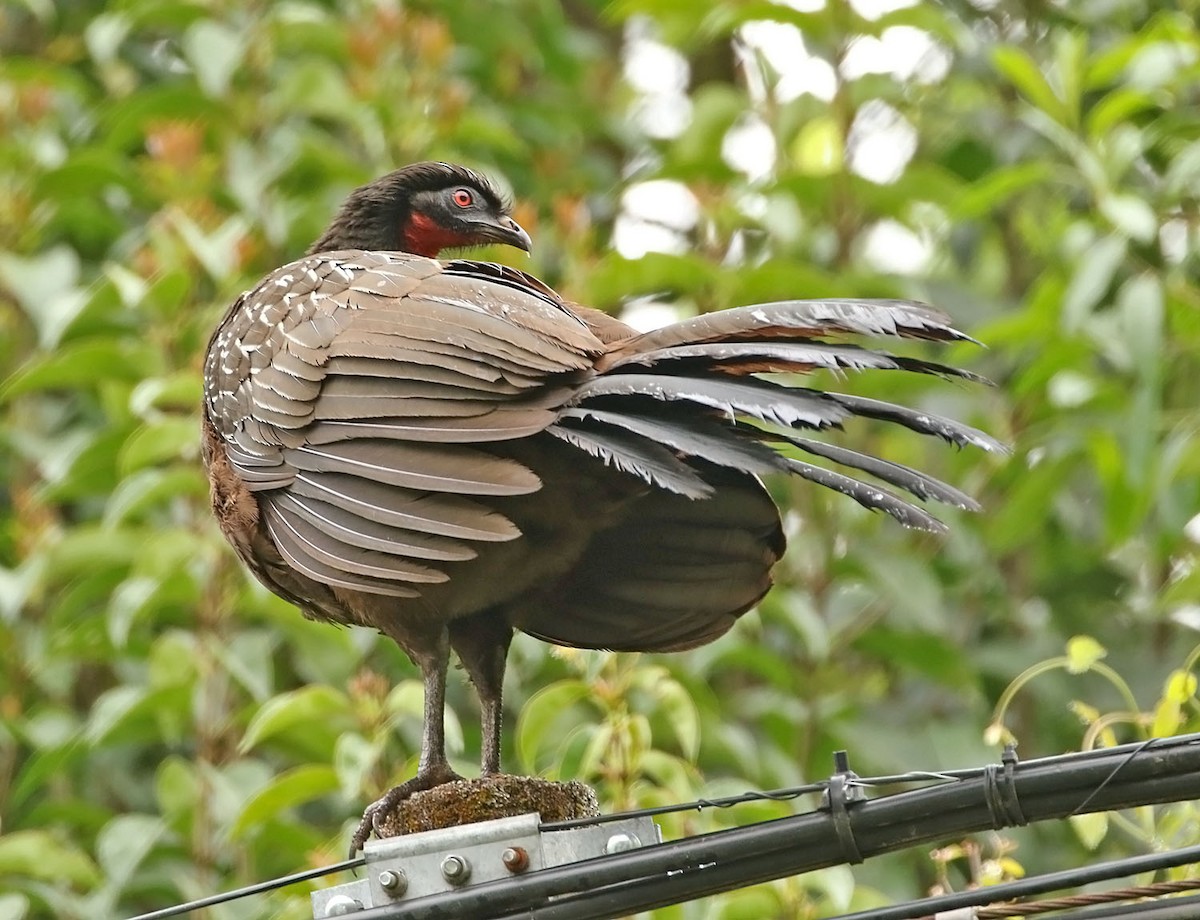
433,769
482,645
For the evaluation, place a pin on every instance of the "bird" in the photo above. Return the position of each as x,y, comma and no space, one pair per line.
448,451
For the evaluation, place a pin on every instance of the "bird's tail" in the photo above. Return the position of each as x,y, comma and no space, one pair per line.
691,391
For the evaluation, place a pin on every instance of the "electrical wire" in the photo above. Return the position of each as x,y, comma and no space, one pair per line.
1187,908
678,871
895,779
257,888
959,801
1087,899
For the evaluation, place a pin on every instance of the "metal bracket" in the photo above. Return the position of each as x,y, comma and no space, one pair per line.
415,865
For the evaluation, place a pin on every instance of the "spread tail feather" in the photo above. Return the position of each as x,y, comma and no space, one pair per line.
688,393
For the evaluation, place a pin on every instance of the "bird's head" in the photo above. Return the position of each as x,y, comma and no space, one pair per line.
423,209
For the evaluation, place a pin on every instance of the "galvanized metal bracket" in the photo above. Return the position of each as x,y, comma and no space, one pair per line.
415,865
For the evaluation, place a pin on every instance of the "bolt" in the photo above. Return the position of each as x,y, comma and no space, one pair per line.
394,882
621,843
455,869
515,859
342,904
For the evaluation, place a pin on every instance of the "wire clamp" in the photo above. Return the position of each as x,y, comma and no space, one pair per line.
403,869
1000,791
843,790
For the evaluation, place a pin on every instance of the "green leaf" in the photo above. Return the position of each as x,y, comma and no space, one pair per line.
1023,72
354,758
317,704
45,286
83,364
122,845
142,492
539,714
176,787
110,709
178,391
104,36
836,882
159,441
682,714
1183,173
1115,109
1131,215
214,50
40,769
1091,280
294,787
998,187
1091,829
750,904
246,656
39,854
14,906
131,598
1143,316
217,251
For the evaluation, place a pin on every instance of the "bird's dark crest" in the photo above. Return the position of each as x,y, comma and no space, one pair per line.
429,176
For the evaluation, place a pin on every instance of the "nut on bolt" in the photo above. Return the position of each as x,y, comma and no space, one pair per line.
341,905
515,859
621,843
455,869
393,881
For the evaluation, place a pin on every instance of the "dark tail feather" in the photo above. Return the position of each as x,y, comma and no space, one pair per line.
869,496
718,442
761,399
789,356
923,422
922,485
681,399
639,456
799,319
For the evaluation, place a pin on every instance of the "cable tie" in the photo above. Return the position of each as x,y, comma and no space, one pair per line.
841,792
1000,791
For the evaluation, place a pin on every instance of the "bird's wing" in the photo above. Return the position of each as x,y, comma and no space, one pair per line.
354,393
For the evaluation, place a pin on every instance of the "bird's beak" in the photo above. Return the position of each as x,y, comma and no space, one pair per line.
507,231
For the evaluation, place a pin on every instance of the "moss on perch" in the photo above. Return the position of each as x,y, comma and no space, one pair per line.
487,798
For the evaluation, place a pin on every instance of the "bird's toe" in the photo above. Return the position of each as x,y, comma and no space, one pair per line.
376,814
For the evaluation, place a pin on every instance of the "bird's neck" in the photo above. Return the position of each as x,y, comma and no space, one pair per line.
423,236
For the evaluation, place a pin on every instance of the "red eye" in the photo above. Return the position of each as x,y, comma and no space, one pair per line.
463,198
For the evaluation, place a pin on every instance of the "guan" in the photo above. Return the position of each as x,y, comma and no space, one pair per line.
448,451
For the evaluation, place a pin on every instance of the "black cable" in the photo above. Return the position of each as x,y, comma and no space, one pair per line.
1038,884
678,871
257,888
1092,770
1185,908
916,776
622,899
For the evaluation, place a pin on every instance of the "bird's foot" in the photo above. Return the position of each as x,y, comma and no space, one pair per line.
377,811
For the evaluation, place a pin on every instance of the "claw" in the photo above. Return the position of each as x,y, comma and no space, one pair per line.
375,813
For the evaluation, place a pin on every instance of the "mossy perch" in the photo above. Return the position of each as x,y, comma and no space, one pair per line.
485,799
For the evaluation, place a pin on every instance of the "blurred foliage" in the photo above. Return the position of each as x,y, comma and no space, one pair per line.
169,730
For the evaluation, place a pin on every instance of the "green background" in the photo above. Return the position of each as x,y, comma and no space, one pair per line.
169,730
